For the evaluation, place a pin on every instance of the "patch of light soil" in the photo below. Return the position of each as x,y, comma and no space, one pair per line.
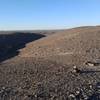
65,53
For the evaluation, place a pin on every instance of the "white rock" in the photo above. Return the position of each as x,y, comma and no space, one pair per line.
72,95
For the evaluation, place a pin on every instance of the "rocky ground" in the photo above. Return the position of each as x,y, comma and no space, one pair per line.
44,69
46,80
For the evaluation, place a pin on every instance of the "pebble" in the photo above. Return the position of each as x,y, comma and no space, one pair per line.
90,86
75,69
77,92
3,88
72,95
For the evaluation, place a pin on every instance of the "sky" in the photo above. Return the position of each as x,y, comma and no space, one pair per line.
48,14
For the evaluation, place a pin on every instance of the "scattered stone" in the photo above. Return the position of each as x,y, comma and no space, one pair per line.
90,86
71,96
77,92
89,63
76,70
3,88
35,96
95,63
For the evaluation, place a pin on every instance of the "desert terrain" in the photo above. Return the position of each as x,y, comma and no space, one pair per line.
39,65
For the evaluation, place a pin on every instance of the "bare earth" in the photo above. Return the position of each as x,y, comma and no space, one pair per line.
43,69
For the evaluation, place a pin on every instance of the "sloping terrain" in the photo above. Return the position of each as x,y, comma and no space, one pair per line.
43,70
81,43
10,43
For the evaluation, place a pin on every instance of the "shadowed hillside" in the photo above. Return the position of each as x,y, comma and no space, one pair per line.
11,43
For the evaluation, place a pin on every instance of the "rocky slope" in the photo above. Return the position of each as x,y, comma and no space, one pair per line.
81,43
43,70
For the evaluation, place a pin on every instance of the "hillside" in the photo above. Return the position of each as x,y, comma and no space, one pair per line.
43,68
12,41
81,43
